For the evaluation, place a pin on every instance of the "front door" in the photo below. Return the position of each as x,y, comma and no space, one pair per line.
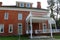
44,27
19,28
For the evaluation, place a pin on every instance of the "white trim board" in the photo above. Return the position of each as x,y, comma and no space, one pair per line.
23,9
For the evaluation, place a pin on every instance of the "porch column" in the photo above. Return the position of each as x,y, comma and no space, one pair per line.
27,28
51,30
31,27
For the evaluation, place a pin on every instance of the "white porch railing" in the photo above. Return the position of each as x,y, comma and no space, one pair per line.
45,31
53,30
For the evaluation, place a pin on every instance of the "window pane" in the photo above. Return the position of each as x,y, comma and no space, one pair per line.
21,4
19,16
10,28
1,28
6,16
20,26
28,5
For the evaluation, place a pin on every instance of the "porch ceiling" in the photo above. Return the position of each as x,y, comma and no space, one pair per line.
37,21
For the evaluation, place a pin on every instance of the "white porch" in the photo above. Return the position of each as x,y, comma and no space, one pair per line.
37,19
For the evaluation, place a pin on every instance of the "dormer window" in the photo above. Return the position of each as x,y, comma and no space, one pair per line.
21,4
28,5
24,4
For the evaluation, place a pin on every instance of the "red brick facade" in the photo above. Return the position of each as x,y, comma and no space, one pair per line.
13,19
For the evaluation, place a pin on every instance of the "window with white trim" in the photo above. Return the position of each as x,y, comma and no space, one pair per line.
20,28
10,28
1,28
6,16
19,16
28,5
44,27
21,4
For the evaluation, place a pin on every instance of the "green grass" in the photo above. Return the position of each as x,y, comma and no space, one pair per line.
21,37
13,38
56,36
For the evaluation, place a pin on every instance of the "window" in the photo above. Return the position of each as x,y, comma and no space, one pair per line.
1,28
19,16
44,27
10,28
6,16
21,4
20,28
28,5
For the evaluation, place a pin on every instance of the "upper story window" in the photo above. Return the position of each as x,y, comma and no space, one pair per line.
19,16
6,16
1,28
28,5
21,4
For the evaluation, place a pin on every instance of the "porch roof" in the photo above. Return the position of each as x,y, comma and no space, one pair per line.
38,15
38,19
41,19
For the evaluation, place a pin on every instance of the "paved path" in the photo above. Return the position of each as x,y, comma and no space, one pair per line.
45,39
41,39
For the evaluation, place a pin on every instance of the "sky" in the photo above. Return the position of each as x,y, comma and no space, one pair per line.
13,2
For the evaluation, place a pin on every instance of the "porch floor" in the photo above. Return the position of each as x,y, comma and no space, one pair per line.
42,38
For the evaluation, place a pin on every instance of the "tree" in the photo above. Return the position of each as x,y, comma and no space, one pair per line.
57,9
51,4
58,23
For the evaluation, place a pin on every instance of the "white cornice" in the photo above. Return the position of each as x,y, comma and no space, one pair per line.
22,9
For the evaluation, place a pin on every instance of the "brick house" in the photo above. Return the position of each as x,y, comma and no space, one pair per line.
24,19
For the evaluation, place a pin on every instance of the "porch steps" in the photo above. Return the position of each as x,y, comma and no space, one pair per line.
42,38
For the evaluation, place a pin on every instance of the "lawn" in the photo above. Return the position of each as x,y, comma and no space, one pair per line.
13,38
21,37
56,36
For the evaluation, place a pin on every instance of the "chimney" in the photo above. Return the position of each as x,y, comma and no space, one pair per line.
0,4
38,4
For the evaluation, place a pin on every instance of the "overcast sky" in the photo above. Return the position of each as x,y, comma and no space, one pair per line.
13,2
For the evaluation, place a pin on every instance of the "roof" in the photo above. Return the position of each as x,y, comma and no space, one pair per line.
24,7
23,2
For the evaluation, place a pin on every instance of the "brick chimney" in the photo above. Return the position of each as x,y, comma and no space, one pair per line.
38,4
0,3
